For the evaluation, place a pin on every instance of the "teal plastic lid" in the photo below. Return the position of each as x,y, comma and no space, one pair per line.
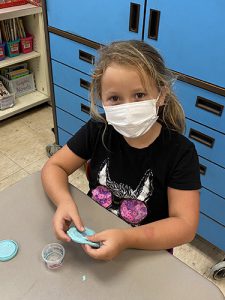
8,249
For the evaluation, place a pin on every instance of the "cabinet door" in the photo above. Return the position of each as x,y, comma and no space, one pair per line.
190,36
98,20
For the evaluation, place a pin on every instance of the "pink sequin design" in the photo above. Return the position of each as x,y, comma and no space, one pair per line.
102,195
133,211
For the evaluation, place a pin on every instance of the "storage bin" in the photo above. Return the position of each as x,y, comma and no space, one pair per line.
35,2
26,44
20,86
12,48
2,51
7,101
12,3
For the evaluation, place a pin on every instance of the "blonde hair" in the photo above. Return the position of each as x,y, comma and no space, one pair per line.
149,64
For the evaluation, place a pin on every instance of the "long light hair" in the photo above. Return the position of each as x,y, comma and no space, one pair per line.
149,64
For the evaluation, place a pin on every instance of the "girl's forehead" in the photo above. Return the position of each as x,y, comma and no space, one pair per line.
116,72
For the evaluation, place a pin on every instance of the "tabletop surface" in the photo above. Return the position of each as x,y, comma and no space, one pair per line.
26,217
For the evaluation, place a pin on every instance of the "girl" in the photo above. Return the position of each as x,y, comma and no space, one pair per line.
141,166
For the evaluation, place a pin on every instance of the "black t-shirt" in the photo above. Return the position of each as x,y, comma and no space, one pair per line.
119,171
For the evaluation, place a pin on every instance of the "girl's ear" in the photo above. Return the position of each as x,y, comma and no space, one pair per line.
163,93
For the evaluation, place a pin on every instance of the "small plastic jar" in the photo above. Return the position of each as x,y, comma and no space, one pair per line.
53,255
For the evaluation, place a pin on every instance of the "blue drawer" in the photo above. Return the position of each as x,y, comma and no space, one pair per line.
63,136
72,104
72,54
209,143
213,206
212,231
68,122
71,79
201,105
212,177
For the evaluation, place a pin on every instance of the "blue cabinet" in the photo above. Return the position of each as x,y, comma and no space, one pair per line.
190,37
115,20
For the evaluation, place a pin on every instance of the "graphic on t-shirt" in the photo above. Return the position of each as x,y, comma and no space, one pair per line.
132,204
142,192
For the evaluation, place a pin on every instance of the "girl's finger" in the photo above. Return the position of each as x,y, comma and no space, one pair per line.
77,221
97,237
59,231
93,252
61,235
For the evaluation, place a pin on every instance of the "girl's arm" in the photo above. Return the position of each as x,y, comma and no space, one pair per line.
55,182
179,228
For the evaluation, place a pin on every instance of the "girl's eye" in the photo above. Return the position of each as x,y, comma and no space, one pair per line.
114,98
140,95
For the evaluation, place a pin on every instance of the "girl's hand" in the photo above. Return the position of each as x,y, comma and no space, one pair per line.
113,242
65,214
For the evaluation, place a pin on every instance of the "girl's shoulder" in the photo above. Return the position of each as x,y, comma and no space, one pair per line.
94,124
93,128
175,139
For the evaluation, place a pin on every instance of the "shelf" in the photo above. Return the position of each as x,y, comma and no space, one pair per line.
19,11
34,24
23,103
8,61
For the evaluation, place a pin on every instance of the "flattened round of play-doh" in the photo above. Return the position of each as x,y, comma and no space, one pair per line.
80,237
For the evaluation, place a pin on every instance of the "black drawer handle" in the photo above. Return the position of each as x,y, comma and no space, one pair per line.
89,58
209,105
153,24
85,84
134,17
201,138
85,109
202,169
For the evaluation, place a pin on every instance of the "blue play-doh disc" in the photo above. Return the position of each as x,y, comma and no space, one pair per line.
81,237
8,249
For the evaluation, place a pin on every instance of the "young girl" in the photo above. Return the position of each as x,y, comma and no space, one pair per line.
141,166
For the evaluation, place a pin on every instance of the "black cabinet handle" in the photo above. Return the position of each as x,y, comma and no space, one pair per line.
89,58
153,24
134,17
85,84
202,169
209,105
85,109
201,138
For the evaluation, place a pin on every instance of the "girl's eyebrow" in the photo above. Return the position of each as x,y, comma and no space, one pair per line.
135,90
111,93
138,90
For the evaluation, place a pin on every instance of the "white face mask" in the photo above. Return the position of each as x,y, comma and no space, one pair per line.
132,119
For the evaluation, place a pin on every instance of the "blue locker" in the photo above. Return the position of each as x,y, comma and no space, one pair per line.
98,20
190,36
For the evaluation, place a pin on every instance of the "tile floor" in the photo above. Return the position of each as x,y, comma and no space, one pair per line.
22,151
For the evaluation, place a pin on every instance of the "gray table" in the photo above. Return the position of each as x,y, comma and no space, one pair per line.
26,216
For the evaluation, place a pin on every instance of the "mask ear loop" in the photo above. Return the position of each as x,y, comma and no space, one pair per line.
157,99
